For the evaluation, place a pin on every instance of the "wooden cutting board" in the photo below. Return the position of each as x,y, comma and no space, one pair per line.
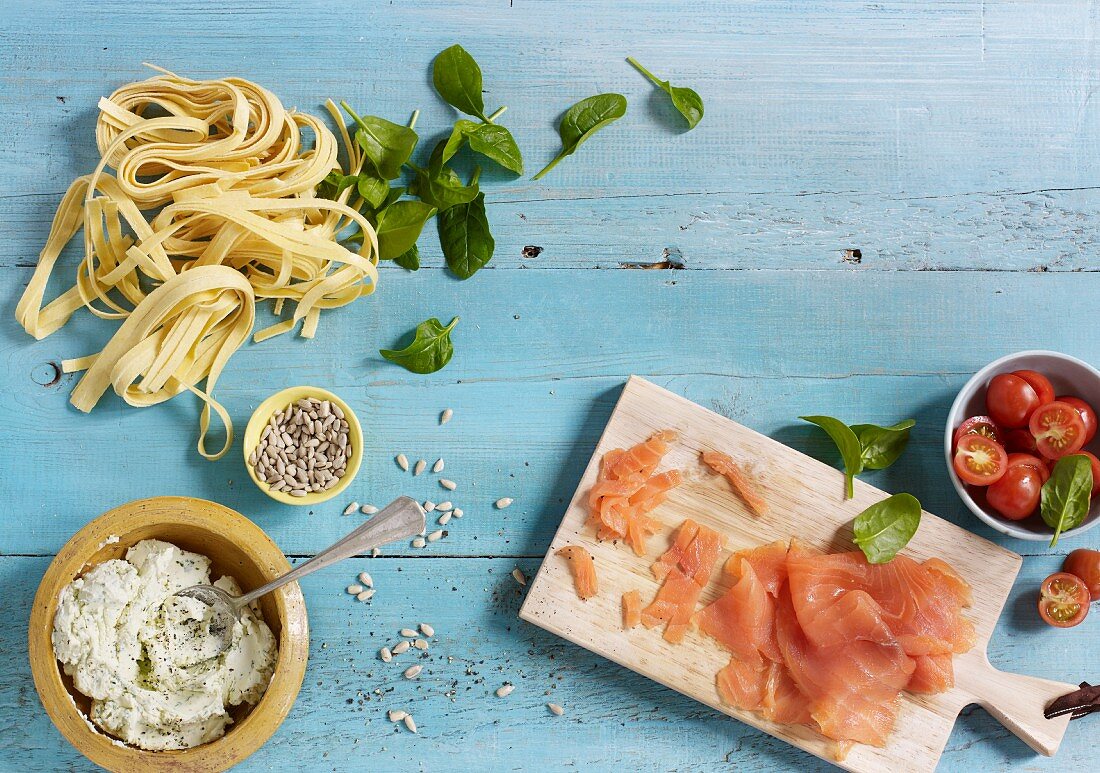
805,497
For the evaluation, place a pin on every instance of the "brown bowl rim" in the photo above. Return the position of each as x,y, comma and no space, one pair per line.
247,735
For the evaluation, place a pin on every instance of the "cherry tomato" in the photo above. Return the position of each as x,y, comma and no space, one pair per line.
1019,440
1040,383
1015,460
980,460
1063,600
1095,470
978,425
1088,415
1085,563
1010,400
1015,495
1058,430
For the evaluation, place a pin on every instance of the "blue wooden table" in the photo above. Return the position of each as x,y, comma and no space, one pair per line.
882,197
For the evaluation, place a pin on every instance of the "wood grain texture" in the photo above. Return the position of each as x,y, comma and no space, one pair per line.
805,501
931,136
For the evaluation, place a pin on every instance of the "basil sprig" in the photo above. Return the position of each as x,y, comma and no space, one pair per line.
465,237
430,349
864,446
583,120
685,100
1065,498
886,527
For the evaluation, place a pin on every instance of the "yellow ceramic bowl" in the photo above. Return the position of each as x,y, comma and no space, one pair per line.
278,402
236,546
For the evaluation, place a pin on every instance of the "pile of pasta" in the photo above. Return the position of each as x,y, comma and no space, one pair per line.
211,208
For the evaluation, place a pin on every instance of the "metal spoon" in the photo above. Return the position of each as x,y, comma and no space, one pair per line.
402,518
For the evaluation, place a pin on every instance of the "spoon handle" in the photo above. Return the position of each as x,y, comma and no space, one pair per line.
401,518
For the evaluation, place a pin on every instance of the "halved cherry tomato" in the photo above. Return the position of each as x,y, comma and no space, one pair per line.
1019,440
1015,460
1058,430
980,460
1010,400
1040,383
1095,471
1016,494
1085,563
978,425
1088,415
1063,600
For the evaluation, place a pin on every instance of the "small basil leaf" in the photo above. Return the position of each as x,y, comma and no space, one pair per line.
409,259
1066,496
373,189
443,189
685,100
497,144
848,445
334,184
430,350
886,527
399,226
457,78
391,196
445,149
465,238
583,120
388,145
881,446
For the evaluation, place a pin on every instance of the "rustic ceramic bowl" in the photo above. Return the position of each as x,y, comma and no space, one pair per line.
236,546
1068,375
278,402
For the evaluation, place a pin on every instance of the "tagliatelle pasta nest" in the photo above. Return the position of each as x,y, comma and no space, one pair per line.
212,207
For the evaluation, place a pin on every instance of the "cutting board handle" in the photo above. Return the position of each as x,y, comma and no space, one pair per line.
1016,701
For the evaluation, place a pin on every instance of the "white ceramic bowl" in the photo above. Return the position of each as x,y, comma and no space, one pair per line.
1069,375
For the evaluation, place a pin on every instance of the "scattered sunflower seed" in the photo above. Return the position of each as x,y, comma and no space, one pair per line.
419,542
445,518
419,468
427,630
446,416
438,466
375,552
368,509
351,508
413,671
354,589
435,535
457,513
450,485
505,690
555,709
503,502
429,505
365,595
410,723
396,715
366,579
521,578
421,644
402,462
386,656
401,646
444,505
409,633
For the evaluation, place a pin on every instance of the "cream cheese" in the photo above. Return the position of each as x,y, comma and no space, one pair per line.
150,667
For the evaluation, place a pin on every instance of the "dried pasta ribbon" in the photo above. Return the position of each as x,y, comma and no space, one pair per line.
211,207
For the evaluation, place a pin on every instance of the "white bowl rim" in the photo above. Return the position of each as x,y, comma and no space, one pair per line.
1005,527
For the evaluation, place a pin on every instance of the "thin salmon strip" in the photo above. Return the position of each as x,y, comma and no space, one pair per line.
723,464
686,567
583,568
632,609
685,533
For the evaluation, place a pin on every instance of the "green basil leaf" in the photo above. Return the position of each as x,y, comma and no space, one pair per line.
409,259
430,350
497,144
886,527
442,188
685,100
445,150
373,189
881,446
391,196
583,120
848,445
1066,496
465,238
457,78
388,145
399,226
334,184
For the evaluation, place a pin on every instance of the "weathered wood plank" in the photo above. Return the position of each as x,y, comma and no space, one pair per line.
614,719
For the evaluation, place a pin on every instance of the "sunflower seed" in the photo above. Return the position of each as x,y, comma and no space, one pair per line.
429,505
437,534
444,506
402,462
503,502
438,466
386,656
375,552
409,633
505,690
457,512
396,715
365,595
420,644
368,509
444,519
446,416
555,709
366,579
419,468
401,646
521,578
450,485
413,671
354,589
427,630
419,542
351,508
410,723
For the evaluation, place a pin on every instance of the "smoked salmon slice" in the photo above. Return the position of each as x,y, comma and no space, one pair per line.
583,569
723,464
743,620
768,561
687,566
933,674
632,609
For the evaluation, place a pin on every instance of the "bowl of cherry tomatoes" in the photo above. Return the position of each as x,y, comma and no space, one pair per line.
1008,427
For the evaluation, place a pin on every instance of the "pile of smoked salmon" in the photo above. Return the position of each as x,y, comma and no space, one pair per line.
825,640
